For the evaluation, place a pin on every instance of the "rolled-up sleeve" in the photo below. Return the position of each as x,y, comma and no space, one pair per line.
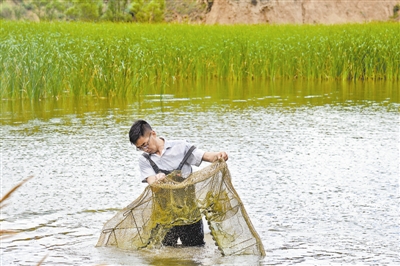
197,157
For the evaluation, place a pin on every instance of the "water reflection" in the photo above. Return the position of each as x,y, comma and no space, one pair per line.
317,170
188,94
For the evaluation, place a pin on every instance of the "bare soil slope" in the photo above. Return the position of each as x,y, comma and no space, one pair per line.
299,11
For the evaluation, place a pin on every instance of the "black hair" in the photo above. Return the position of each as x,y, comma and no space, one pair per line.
138,129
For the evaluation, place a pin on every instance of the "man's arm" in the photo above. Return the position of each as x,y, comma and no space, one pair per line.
214,156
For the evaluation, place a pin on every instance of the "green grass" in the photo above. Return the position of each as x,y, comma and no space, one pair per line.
42,60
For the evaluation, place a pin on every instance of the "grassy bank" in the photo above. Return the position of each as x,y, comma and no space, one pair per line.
41,60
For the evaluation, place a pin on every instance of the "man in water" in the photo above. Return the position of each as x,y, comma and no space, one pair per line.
167,155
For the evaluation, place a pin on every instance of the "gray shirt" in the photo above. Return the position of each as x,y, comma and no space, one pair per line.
171,157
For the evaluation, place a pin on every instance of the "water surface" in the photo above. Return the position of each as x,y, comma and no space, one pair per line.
316,166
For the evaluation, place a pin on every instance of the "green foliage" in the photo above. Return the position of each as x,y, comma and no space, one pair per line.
27,5
148,11
6,11
73,12
117,10
39,60
89,11
110,10
39,6
77,10
396,10
84,10
19,12
52,8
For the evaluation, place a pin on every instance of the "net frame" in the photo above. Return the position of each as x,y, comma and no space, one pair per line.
175,201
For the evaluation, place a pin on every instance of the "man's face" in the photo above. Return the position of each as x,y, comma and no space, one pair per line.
144,143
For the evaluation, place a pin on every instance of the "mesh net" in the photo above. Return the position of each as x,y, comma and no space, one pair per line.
176,201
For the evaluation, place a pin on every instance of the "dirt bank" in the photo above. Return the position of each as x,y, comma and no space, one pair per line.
299,11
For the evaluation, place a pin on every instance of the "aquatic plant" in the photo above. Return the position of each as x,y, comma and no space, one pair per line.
39,60
8,233
6,196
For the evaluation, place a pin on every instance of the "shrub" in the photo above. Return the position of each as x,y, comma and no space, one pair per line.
396,10
6,11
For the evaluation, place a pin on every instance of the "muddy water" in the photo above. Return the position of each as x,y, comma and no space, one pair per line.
316,165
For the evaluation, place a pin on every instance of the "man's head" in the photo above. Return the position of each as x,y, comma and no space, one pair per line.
139,129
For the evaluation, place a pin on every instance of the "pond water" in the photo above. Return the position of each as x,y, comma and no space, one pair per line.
315,164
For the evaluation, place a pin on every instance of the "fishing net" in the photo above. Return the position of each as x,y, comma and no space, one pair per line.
175,201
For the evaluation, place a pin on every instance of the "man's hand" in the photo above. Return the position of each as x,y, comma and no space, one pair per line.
155,178
215,156
222,155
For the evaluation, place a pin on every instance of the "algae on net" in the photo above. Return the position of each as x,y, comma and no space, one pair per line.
176,201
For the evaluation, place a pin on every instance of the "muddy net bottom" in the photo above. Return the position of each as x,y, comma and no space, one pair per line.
175,201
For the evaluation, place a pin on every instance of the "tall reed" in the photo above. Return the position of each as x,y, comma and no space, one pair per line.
41,60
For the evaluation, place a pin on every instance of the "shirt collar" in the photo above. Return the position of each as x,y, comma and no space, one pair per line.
167,145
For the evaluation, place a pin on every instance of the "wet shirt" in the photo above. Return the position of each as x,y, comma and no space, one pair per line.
171,157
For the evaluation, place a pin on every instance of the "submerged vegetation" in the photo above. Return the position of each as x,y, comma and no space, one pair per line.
41,60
